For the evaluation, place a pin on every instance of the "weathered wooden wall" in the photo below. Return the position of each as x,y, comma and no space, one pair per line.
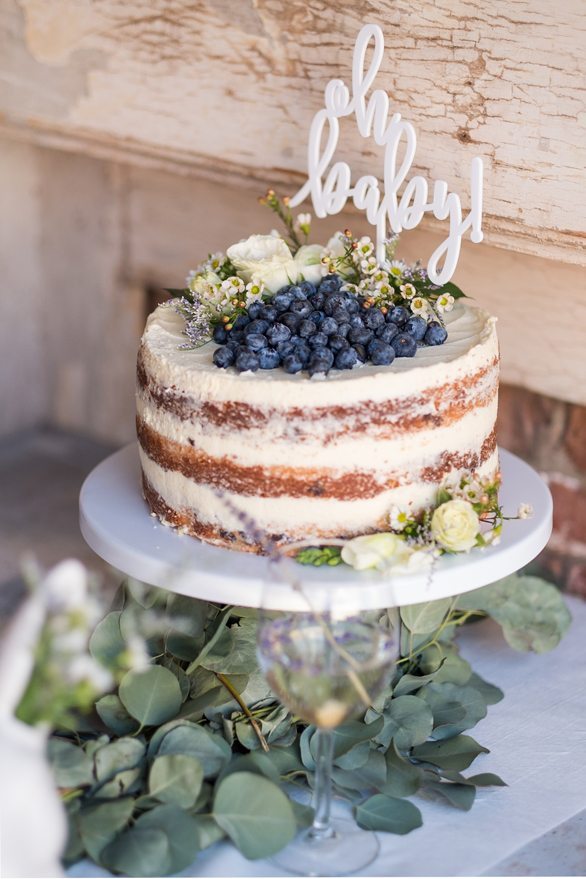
135,137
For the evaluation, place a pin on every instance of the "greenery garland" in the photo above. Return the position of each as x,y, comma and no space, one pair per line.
194,748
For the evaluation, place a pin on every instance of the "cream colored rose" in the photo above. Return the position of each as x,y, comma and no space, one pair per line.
265,258
455,525
308,263
374,551
200,284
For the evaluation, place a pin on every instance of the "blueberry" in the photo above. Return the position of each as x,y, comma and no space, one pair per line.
436,334
352,305
296,292
343,330
346,358
317,317
246,360
404,345
321,360
318,340
268,358
416,327
241,321
340,315
278,333
333,302
281,302
356,320
328,326
232,345
380,353
373,318
306,329
220,335
330,284
254,309
337,343
256,341
387,332
284,349
290,320
361,352
292,364
303,352
256,326
269,313
308,288
317,300
397,315
223,357
362,335
301,307
236,336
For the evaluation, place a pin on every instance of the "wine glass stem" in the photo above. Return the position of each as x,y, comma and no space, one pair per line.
322,797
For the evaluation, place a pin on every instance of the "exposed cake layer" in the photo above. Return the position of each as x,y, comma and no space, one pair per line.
310,457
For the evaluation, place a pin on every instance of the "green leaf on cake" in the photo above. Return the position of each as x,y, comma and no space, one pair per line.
319,556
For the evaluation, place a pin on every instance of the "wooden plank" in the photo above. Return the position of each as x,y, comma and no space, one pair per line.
228,89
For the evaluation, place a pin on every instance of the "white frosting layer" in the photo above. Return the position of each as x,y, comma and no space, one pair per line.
298,517
471,343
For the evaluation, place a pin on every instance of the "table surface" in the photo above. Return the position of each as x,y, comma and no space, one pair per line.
116,523
537,739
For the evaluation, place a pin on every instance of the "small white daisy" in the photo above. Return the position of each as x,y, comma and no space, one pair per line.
365,247
397,268
408,291
233,285
445,302
398,518
380,278
473,492
525,511
419,306
368,265
254,289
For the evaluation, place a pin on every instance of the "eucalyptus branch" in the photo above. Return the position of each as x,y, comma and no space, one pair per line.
245,709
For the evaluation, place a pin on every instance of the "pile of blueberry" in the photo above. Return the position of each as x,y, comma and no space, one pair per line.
318,328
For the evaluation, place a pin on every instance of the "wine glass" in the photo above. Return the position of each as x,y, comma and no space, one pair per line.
326,666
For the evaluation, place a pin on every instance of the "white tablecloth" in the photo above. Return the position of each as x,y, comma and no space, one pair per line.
537,739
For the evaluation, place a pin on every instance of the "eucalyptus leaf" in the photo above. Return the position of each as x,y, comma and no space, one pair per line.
113,713
176,778
181,831
410,683
306,751
106,642
182,679
425,618
255,813
455,708
486,779
454,754
408,721
196,741
152,695
255,762
355,757
235,651
454,668
99,824
303,814
489,692
121,754
459,795
121,784
139,852
373,774
403,777
71,765
389,814
208,831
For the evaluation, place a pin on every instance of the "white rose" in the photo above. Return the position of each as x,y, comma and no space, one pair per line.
266,258
412,561
309,264
455,525
200,284
378,551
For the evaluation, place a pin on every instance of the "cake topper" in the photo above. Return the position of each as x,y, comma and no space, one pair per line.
385,209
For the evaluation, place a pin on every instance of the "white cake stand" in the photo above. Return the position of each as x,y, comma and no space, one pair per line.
117,525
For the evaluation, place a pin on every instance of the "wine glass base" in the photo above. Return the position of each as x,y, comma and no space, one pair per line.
345,853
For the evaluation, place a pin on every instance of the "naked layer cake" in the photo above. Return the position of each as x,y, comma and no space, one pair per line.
311,454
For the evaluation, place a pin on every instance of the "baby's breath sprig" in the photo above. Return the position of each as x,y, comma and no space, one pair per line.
280,206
